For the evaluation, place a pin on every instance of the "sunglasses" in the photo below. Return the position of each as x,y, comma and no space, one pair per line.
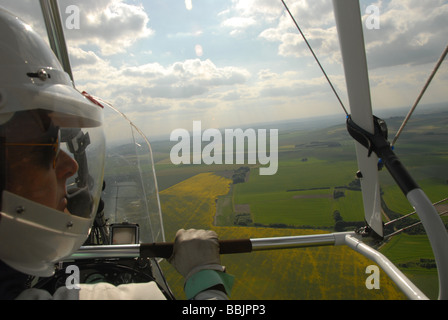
55,144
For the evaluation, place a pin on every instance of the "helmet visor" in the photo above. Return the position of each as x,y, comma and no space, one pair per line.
87,148
57,167
51,180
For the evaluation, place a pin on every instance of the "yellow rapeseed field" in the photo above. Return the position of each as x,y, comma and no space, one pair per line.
310,273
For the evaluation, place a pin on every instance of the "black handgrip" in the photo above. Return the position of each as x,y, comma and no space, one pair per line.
235,246
165,249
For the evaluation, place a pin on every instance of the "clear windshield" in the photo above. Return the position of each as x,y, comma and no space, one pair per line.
130,192
194,69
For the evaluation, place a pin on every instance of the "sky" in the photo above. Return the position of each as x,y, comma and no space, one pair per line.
229,63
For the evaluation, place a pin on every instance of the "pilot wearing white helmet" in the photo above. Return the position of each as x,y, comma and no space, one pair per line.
40,223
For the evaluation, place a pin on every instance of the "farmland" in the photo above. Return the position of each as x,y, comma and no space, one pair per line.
315,179
312,273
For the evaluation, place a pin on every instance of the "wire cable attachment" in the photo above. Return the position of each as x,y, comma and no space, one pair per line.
422,92
315,58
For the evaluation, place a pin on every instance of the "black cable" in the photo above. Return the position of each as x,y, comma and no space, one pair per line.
315,57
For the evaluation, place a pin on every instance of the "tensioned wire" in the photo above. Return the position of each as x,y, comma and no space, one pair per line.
405,121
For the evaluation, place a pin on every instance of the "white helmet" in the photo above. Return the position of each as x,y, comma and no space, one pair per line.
34,236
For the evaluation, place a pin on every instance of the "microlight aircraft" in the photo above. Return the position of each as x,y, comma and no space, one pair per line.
128,235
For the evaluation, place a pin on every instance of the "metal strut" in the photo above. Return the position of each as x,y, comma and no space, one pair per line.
378,143
55,31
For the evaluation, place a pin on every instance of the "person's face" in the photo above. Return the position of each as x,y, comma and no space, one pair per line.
36,173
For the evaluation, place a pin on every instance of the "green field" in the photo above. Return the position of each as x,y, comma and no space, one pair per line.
407,252
306,273
301,193
314,166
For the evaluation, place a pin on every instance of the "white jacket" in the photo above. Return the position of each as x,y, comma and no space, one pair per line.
106,291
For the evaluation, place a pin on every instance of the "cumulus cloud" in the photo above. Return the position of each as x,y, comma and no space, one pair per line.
407,35
183,79
247,13
109,25
81,57
254,66
153,84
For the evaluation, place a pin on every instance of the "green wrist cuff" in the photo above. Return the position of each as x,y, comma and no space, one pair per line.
205,279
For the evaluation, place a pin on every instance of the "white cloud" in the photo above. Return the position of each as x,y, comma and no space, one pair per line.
183,79
239,22
315,18
79,57
121,55
247,13
153,87
266,8
411,32
111,26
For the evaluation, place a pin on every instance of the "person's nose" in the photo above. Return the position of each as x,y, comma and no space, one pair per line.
66,166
